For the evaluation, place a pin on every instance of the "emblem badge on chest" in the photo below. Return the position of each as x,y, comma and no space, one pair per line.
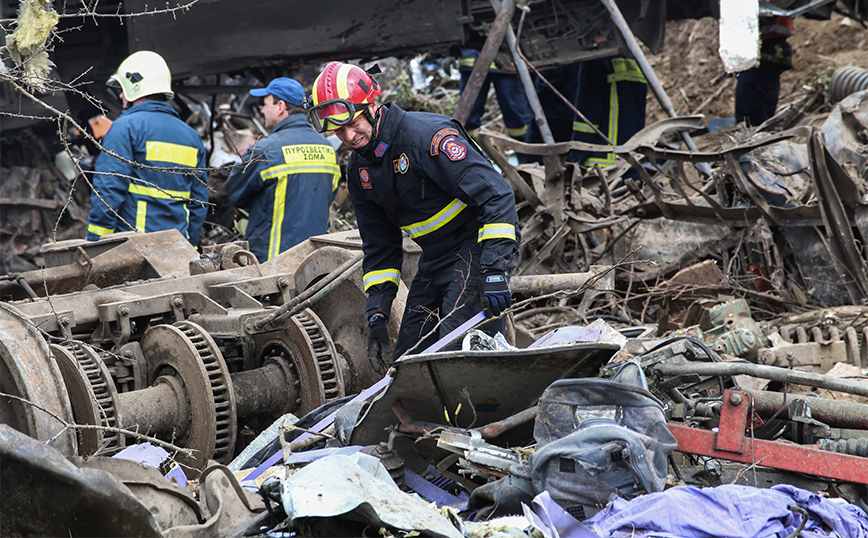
401,164
365,177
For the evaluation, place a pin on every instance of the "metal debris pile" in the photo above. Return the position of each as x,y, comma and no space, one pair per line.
689,327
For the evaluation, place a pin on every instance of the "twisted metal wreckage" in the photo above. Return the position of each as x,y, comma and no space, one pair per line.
138,335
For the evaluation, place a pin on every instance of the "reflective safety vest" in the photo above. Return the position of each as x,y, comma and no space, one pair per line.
151,176
287,181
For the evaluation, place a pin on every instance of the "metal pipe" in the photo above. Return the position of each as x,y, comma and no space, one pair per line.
602,277
833,412
346,268
483,62
774,373
650,76
495,429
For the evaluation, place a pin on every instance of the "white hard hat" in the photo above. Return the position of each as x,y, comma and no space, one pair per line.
143,73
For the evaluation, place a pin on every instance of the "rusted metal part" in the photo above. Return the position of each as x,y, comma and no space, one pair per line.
773,373
840,413
28,371
114,260
483,62
342,311
496,429
730,443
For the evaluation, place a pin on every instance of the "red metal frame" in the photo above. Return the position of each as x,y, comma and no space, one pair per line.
730,443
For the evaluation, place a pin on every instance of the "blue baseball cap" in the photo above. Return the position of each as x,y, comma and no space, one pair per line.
285,89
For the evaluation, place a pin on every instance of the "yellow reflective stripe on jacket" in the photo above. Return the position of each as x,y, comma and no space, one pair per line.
470,62
298,159
141,215
498,230
379,277
582,127
171,153
153,192
626,69
436,222
99,230
516,132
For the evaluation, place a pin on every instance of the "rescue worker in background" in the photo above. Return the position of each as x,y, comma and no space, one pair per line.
156,179
611,95
287,180
510,97
421,174
757,89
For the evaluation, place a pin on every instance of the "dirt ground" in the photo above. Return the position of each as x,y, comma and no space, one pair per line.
692,73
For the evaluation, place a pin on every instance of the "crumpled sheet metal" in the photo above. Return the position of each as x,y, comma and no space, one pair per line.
844,130
46,495
231,510
360,488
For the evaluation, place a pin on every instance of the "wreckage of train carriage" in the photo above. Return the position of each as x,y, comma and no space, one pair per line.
138,333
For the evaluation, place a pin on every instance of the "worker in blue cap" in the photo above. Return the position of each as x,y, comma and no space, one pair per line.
286,180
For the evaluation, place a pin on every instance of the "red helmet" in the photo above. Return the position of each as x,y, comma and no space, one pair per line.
340,93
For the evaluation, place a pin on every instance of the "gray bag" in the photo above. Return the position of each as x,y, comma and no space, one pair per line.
599,438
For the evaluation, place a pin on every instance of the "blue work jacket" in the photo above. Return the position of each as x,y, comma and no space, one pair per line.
287,181
426,178
160,184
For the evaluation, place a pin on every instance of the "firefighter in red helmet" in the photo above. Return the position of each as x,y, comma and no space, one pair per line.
420,174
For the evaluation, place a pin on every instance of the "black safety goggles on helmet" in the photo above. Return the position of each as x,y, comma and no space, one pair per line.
338,112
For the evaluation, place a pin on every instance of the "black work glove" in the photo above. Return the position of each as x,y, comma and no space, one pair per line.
379,344
494,291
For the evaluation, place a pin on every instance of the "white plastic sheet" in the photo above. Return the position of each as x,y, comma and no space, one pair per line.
359,483
739,34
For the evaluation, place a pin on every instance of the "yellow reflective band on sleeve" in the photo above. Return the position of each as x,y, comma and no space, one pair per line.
498,230
516,132
141,215
582,127
436,222
165,152
379,277
153,192
299,159
99,230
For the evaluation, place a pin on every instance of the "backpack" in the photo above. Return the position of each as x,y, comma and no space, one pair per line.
600,438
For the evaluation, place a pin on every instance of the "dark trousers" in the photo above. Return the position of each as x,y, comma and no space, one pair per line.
612,94
443,288
510,97
757,89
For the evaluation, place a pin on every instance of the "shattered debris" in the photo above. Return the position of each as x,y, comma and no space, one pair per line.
690,329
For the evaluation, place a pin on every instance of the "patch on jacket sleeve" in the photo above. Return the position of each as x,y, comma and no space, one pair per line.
365,177
453,149
439,136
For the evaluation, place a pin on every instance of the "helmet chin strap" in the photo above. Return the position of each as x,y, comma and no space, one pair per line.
374,120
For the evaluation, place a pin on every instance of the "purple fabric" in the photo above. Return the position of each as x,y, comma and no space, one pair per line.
729,511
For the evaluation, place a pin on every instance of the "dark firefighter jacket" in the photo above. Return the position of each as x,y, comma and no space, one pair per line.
169,190
287,181
424,177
